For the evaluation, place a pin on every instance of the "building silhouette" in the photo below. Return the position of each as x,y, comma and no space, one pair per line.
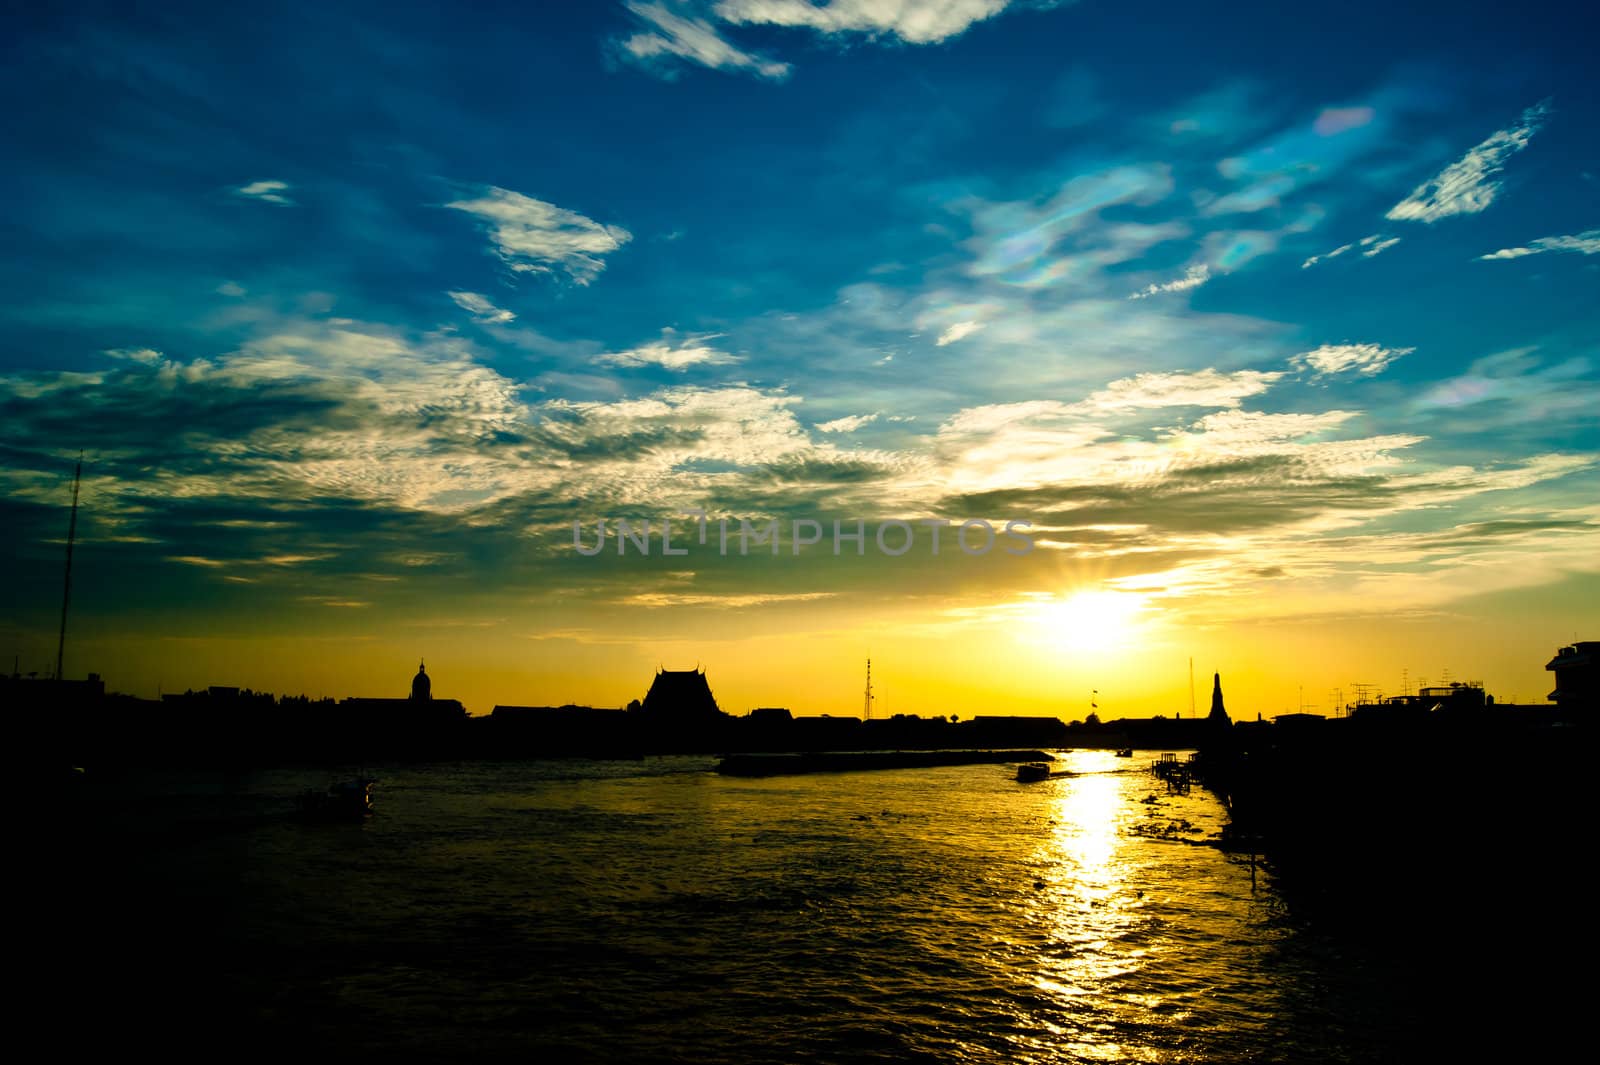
80,723
680,697
1577,670
1219,713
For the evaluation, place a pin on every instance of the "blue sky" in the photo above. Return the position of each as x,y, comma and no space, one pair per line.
354,308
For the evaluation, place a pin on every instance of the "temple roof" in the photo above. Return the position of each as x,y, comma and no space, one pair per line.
680,693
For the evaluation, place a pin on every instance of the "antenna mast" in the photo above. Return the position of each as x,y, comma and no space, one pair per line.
1191,686
867,697
66,584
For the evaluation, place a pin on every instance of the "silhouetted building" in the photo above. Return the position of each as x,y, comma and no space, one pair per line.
555,731
1455,700
1219,713
32,689
771,715
1577,670
680,697
416,726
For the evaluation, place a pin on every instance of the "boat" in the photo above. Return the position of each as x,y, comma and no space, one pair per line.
344,800
1028,772
1126,752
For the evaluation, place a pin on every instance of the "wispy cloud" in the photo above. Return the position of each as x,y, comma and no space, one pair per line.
1534,390
1335,120
735,601
1334,254
677,32
334,601
480,308
1203,388
1467,185
911,21
1376,245
848,424
1193,277
1366,360
672,352
957,332
267,191
197,560
533,236
682,36
1371,246
1585,243
1021,242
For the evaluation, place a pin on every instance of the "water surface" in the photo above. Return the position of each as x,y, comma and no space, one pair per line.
655,911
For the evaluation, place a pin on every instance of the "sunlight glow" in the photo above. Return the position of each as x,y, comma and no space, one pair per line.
1093,621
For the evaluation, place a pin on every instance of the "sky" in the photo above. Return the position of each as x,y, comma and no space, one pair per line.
1273,328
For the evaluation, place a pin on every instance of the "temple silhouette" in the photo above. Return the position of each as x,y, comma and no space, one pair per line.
680,697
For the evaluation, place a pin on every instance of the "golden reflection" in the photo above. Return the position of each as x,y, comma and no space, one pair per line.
1088,906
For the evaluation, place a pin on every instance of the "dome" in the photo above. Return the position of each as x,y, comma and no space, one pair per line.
421,686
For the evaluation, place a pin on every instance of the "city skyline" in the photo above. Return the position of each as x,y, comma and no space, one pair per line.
1284,346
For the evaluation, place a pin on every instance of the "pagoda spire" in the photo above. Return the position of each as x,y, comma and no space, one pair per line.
1219,712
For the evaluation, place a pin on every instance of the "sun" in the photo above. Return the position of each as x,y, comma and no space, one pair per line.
1098,621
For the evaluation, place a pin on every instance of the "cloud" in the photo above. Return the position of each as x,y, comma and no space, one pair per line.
533,236
321,446
197,560
1585,243
1193,277
312,409
910,20
1019,241
1537,393
672,353
1334,254
334,601
1205,388
1466,186
848,424
1366,360
230,288
1228,471
673,37
147,356
1335,120
957,331
1372,246
480,308
732,601
675,32
266,191
1377,245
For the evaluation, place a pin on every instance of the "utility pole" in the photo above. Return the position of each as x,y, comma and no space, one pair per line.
66,584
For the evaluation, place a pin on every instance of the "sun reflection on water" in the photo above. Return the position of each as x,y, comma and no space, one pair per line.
1087,907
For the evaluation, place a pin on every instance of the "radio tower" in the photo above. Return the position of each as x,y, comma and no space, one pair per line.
1191,687
867,697
66,585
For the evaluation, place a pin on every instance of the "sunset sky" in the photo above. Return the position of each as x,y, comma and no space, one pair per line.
1280,324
